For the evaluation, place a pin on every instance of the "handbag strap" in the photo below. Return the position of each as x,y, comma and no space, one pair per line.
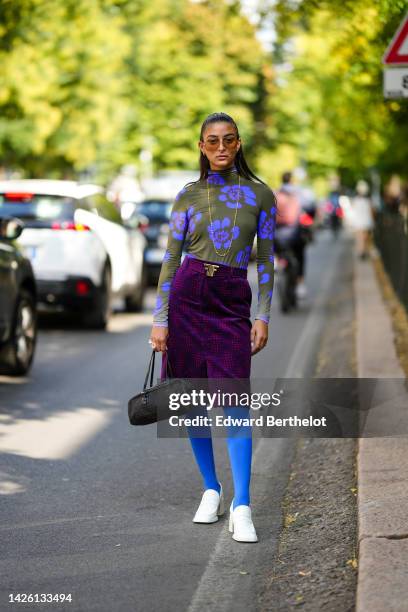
150,370
169,371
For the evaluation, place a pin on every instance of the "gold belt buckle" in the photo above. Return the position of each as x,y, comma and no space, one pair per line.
210,269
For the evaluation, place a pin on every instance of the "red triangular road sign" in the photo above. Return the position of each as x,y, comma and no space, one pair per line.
397,52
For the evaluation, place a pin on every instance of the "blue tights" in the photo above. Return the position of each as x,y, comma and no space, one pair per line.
239,441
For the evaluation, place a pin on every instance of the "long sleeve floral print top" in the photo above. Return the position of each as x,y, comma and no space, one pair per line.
190,227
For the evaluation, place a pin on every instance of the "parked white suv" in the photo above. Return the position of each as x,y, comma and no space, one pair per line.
81,253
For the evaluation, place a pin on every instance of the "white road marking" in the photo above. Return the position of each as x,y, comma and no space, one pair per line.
221,574
217,587
300,356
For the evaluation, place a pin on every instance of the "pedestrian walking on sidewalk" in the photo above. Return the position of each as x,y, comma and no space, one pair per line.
201,322
362,218
289,210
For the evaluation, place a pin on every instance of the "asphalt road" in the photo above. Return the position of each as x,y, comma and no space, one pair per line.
93,507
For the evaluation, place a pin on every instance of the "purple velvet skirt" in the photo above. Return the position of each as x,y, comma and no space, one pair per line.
209,322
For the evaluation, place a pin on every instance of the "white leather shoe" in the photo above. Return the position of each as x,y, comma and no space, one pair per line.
241,525
211,507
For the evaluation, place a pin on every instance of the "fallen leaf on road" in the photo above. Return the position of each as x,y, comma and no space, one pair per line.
290,518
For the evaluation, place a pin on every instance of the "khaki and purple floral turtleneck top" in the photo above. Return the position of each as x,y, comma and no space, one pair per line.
190,228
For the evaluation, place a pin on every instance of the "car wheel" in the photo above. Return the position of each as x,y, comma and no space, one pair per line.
134,302
19,351
99,317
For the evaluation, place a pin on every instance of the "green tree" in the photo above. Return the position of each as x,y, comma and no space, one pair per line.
188,60
330,105
92,83
61,93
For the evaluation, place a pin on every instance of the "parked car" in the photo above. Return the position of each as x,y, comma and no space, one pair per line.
82,254
152,217
18,295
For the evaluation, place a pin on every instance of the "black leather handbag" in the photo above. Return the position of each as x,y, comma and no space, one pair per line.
152,404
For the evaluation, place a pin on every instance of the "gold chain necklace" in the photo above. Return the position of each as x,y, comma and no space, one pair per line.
235,217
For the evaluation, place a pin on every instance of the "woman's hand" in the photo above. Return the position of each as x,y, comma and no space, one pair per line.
259,336
158,336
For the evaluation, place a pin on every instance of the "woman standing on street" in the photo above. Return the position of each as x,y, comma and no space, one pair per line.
201,322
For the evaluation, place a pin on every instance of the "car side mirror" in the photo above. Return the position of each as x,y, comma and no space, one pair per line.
11,228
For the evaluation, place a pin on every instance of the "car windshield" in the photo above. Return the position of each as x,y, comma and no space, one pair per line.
36,207
155,210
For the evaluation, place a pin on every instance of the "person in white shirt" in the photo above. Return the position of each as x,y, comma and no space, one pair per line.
362,218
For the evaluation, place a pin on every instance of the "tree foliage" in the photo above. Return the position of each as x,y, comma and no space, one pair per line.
334,112
60,84
92,84
95,82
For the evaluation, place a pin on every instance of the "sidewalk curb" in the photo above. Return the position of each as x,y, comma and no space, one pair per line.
382,462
